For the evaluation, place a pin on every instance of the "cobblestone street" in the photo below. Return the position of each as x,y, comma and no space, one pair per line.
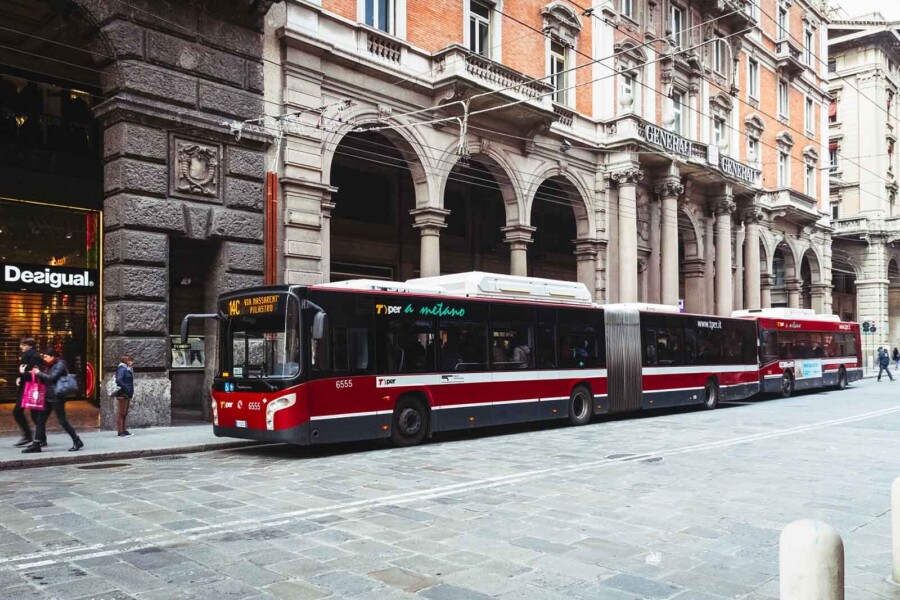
685,505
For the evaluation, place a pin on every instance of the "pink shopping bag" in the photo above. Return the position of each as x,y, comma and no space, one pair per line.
33,396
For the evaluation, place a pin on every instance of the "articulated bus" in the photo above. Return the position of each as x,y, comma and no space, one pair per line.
369,359
800,350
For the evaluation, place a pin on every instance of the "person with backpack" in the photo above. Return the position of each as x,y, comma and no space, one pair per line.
60,383
884,363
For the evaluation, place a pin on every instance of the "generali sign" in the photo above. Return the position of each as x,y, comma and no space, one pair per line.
672,142
40,278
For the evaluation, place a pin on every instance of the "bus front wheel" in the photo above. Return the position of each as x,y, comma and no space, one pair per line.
409,423
787,384
581,405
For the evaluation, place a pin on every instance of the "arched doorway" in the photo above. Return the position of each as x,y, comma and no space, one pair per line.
810,282
372,234
691,266
473,239
894,301
553,215
843,290
785,283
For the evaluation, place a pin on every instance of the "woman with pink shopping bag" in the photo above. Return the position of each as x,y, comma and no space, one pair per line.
55,370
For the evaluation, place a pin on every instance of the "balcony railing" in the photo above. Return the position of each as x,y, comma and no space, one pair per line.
737,14
502,76
383,47
789,58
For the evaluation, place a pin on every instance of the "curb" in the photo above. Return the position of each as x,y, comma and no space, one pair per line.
79,459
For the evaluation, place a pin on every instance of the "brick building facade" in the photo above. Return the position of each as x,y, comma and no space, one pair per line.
635,145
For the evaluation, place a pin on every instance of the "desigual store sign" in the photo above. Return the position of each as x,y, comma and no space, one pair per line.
50,288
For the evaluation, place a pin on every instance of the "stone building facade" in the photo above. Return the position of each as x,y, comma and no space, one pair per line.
640,146
181,196
863,129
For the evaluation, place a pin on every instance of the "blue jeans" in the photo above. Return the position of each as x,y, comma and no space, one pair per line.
886,369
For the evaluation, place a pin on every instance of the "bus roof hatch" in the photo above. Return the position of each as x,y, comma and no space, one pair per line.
493,285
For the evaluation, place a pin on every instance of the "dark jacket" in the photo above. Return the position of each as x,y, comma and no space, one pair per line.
884,359
51,376
125,381
896,355
30,359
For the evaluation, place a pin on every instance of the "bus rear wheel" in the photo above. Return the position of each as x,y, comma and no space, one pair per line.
842,379
712,395
787,384
581,405
409,423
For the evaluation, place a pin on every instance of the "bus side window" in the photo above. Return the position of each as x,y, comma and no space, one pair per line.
546,339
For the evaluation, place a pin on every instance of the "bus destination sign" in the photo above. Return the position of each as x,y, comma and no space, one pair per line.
253,305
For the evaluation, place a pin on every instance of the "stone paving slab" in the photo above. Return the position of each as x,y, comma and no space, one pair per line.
107,446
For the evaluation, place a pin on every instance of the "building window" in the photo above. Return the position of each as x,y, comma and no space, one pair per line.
835,211
783,99
832,65
627,85
678,109
480,28
783,22
752,10
783,174
718,49
832,158
810,187
753,79
676,22
808,43
809,117
832,111
626,8
380,15
558,72
752,149
718,131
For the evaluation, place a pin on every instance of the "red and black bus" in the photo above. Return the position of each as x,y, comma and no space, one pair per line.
800,350
368,359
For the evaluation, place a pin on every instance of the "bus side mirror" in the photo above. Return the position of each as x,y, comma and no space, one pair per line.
318,325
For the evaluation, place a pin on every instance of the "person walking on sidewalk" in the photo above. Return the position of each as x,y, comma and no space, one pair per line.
884,363
896,357
55,368
30,360
125,381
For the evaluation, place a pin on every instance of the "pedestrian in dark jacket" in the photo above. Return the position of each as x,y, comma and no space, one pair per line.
884,363
125,381
30,360
896,358
54,368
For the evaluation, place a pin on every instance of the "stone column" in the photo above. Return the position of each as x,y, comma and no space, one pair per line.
765,285
709,257
327,207
586,263
669,191
723,208
752,284
627,180
793,290
429,221
694,286
819,292
654,267
518,237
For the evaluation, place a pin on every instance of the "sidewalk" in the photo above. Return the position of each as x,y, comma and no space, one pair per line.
102,446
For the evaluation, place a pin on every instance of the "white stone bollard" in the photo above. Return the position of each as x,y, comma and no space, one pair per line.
895,529
811,562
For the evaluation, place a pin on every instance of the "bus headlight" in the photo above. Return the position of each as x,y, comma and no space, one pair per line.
278,404
215,412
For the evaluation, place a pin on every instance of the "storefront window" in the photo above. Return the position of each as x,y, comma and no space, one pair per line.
49,289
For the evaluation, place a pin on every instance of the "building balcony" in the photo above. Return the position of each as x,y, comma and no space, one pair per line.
789,58
736,12
792,205
862,226
463,75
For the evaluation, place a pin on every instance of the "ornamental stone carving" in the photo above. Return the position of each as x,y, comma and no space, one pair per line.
723,206
752,216
196,169
670,188
630,176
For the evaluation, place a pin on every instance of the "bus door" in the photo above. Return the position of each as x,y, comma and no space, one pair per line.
623,359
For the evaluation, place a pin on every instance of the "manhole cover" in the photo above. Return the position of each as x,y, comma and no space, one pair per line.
173,457
99,466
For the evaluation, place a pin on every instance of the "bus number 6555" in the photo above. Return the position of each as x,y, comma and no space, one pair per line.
343,383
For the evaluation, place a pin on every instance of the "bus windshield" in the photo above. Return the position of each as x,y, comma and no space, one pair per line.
263,345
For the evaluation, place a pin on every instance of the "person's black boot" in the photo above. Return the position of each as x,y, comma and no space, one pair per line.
34,447
77,445
23,442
